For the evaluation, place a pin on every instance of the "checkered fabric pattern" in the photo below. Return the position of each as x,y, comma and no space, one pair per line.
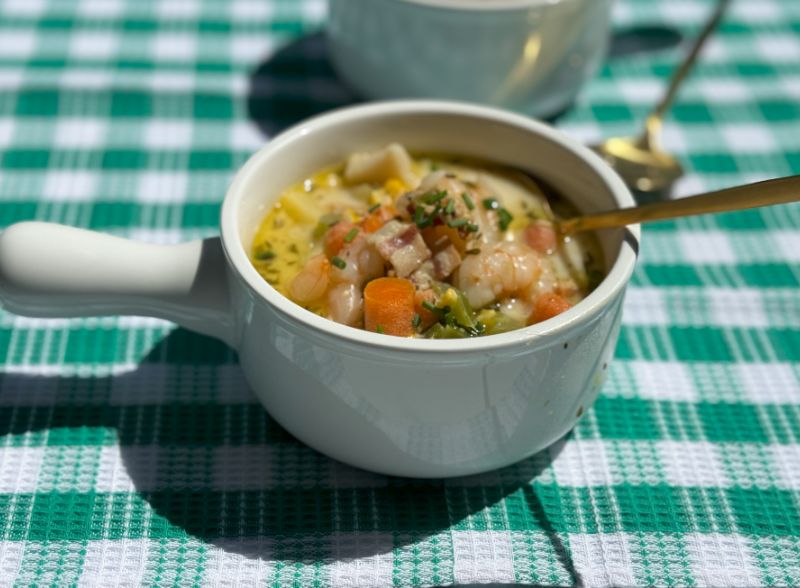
133,453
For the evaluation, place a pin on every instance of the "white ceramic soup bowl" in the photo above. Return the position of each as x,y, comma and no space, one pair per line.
526,55
409,407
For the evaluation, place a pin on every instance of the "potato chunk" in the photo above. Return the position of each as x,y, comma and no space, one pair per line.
376,167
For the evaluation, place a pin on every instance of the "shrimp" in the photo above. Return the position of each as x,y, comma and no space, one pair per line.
499,271
312,281
345,304
362,263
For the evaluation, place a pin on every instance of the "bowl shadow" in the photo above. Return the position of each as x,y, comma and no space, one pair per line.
209,461
293,83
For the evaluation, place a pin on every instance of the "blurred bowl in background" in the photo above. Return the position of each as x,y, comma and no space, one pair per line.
531,56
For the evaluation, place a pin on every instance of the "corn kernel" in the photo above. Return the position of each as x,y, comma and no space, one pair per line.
394,187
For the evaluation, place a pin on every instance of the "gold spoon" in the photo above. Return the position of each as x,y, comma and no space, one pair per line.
641,162
769,192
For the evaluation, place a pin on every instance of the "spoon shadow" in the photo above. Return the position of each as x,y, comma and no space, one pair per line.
196,449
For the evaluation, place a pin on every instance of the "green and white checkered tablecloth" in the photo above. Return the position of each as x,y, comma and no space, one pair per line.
133,453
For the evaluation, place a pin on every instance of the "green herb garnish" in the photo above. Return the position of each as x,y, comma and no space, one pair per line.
351,235
472,228
433,197
379,329
420,218
451,206
374,207
415,322
490,204
428,306
339,262
457,222
468,201
441,311
474,251
505,218
265,255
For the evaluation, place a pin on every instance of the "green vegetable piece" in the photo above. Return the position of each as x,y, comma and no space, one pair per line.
416,321
495,322
457,222
379,329
432,197
490,204
468,201
374,207
505,218
420,218
351,235
339,262
450,208
460,310
440,331
265,255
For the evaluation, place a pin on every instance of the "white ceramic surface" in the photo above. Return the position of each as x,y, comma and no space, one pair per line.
526,55
422,408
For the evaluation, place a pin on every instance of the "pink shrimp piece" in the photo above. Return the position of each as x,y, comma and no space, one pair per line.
346,304
312,281
499,271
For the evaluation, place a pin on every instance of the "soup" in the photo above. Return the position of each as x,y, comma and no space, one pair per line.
427,246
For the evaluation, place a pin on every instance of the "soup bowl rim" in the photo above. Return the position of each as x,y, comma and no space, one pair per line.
536,335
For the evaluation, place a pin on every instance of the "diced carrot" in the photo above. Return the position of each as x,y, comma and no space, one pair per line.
436,238
389,306
376,219
541,236
547,306
426,317
334,238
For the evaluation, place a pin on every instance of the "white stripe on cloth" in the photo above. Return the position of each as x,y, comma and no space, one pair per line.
692,463
482,556
602,560
722,560
120,563
769,383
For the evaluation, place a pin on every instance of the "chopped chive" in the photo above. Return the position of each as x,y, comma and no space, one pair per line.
420,219
379,329
451,206
474,251
472,228
505,218
490,204
338,262
430,307
415,322
374,207
457,222
265,255
468,201
433,197
351,235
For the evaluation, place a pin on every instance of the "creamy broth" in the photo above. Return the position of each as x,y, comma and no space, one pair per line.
429,246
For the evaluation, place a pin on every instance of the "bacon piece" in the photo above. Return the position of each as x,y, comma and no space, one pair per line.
401,245
445,262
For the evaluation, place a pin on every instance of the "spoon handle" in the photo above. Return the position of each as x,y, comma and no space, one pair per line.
688,62
778,191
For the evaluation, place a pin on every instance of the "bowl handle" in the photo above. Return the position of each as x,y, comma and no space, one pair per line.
49,270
